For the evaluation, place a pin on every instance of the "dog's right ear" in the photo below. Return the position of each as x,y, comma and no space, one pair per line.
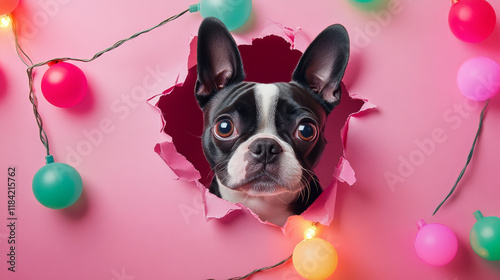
219,61
323,64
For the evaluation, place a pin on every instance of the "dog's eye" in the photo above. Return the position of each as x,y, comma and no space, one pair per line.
224,129
306,131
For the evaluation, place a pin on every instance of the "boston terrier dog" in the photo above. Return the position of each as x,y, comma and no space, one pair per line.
263,141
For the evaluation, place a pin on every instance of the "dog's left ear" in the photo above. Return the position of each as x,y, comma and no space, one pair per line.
323,64
219,61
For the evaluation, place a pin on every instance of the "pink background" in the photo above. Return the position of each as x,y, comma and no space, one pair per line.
137,221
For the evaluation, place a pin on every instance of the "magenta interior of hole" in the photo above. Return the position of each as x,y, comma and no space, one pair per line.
267,60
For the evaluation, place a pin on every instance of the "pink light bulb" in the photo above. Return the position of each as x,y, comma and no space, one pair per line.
471,21
436,244
64,85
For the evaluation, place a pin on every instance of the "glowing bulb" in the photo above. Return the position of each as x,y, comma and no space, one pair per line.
310,232
5,21
315,259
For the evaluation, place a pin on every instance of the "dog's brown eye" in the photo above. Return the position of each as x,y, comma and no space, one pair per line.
224,128
307,132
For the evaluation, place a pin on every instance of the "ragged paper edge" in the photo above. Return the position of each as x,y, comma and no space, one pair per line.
322,210
344,172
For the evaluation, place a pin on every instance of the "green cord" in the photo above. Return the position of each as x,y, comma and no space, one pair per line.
469,157
259,270
29,63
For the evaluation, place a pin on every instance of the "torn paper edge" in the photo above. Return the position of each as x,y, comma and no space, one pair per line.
217,208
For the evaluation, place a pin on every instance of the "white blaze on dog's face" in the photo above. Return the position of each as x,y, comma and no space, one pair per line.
263,140
264,164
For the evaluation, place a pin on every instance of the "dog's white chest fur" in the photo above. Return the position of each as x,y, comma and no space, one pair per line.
273,209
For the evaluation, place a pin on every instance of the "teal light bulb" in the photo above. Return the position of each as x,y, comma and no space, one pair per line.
233,13
57,185
485,237
370,5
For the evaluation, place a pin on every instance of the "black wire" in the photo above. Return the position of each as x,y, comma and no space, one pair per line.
469,157
115,45
259,270
29,63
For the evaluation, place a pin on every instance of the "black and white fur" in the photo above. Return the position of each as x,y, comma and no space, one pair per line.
263,140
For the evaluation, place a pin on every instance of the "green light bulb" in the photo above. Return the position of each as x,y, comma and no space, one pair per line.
485,237
233,13
57,185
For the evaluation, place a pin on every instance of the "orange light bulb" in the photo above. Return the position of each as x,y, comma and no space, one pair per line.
315,259
5,21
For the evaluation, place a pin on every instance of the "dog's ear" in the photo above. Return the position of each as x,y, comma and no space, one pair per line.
323,64
219,61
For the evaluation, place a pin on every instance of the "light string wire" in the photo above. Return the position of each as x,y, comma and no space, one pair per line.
259,270
469,157
31,66
315,224
32,97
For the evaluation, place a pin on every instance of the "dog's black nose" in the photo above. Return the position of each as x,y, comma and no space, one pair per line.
265,150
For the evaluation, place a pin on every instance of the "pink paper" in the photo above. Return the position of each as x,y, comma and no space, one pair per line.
178,107
178,163
344,171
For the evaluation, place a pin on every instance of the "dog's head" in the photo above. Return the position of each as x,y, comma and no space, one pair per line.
265,139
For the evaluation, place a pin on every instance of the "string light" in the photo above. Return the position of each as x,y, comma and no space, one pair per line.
478,78
232,13
485,237
5,21
436,244
60,79
52,187
471,21
314,258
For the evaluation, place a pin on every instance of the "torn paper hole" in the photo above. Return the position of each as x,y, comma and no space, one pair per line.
269,58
